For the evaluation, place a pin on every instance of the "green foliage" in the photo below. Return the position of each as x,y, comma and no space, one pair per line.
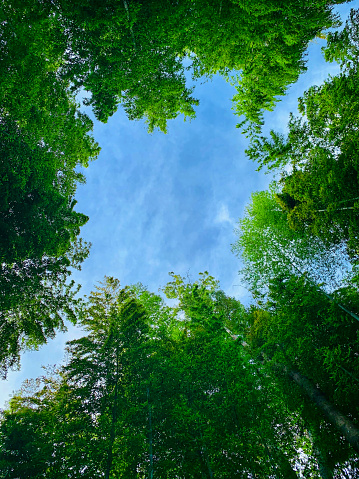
36,299
37,214
135,402
44,140
271,249
43,137
230,424
21,433
343,46
132,53
135,399
318,158
30,431
100,378
299,327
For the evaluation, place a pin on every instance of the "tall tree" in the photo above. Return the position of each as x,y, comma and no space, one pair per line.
307,335
270,249
106,375
126,405
318,157
143,395
306,339
98,404
36,300
29,433
44,140
226,426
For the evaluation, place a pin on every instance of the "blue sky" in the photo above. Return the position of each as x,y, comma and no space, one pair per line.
160,203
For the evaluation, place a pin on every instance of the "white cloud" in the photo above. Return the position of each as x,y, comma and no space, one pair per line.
223,215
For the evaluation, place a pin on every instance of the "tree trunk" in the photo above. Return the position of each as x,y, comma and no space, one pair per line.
318,288
150,473
205,459
284,465
342,423
113,424
325,471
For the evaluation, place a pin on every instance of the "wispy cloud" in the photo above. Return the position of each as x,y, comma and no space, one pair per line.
223,215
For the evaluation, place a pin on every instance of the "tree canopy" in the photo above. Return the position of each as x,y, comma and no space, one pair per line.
159,391
36,300
45,140
204,387
133,53
271,249
117,52
318,158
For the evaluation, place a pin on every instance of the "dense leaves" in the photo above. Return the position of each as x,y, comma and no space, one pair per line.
204,388
133,402
37,214
36,299
271,249
159,391
318,159
44,140
111,53
298,242
308,338
132,53
304,329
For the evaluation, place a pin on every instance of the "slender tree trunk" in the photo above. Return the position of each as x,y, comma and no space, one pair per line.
325,471
206,470
318,288
284,465
342,423
210,472
150,474
330,297
202,452
129,21
349,374
325,466
113,425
